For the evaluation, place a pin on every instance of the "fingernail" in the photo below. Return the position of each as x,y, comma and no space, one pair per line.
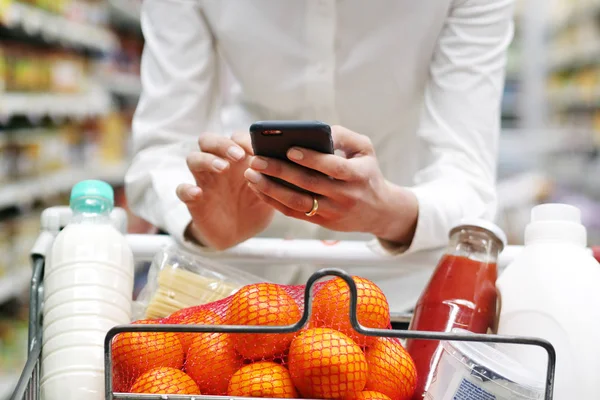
220,164
295,154
235,152
252,175
259,163
194,192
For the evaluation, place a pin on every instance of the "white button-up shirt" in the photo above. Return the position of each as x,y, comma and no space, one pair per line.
423,79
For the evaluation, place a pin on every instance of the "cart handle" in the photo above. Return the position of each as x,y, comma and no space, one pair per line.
263,250
285,252
298,251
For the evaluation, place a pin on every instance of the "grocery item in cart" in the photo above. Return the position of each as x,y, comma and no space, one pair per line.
262,379
460,294
316,361
332,302
551,291
154,380
178,279
136,353
480,371
88,284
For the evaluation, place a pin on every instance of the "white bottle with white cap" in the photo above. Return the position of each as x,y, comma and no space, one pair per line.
552,291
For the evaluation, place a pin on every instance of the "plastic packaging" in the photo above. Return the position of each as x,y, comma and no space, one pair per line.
472,370
551,291
460,294
178,279
88,285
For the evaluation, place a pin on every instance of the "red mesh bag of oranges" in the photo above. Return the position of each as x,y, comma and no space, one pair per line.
326,359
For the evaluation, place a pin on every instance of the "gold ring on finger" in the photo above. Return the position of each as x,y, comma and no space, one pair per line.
315,207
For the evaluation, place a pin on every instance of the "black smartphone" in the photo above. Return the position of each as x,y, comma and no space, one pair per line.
273,139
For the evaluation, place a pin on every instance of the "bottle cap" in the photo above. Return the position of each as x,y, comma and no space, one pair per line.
556,212
481,224
556,223
93,189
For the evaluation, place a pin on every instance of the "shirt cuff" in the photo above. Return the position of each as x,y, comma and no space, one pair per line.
177,221
428,233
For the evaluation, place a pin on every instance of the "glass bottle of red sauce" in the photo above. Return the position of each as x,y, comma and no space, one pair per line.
460,294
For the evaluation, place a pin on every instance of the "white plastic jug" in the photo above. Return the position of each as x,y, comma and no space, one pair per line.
551,291
88,283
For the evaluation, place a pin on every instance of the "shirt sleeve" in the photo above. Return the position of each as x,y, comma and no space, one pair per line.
460,121
179,101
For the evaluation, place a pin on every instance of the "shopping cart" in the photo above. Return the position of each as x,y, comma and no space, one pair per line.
145,247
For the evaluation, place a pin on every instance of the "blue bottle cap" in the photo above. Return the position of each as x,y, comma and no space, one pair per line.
92,189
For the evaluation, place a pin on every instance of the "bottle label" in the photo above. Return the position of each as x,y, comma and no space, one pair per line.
453,381
469,391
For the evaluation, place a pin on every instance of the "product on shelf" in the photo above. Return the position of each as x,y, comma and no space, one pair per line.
3,68
460,294
68,72
13,344
38,151
54,6
28,152
113,131
93,12
4,157
29,69
6,252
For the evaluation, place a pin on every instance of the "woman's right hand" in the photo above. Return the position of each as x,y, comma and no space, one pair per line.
224,210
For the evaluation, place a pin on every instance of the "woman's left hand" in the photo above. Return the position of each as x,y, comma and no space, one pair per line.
352,193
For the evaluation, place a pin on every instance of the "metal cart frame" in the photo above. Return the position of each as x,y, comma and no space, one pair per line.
145,246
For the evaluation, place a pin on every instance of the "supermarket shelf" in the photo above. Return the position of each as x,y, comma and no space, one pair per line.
575,15
93,102
26,191
122,84
572,97
13,284
56,28
127,10
576,57
7,385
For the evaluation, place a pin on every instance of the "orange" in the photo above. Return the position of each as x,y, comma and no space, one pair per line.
331,308
262,379
391,369
326,364
262,304
164,380
137,352
211,362
367,395
199,317
178,315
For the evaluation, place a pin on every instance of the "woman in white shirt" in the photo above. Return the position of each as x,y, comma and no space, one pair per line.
412,88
